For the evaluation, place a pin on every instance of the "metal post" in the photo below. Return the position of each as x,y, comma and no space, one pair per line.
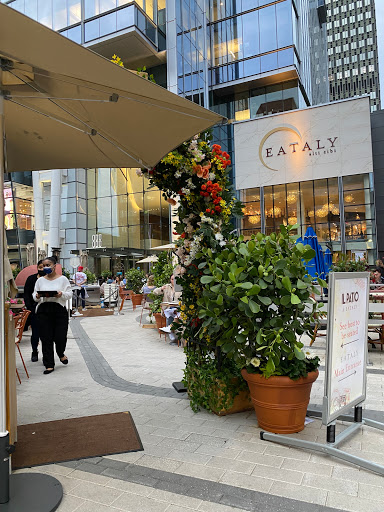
262,210
331,433
358,416
341,213
4,435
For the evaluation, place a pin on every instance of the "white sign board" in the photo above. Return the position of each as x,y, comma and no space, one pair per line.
317,142
345,380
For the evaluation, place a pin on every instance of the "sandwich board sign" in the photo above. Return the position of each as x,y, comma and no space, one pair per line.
347,347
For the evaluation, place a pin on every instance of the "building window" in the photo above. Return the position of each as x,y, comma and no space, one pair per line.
355,72
363,69
371,68
339,75
347,74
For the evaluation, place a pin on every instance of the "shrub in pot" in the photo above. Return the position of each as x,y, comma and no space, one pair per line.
135,281
254,307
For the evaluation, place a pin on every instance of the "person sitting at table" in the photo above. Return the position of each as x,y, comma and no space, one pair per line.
170,313
149,286
378,278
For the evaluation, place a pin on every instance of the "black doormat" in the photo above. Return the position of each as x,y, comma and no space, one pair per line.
76,438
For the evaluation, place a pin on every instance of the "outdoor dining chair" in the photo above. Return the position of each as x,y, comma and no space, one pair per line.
20,321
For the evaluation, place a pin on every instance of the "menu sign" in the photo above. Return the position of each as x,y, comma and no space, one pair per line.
346,342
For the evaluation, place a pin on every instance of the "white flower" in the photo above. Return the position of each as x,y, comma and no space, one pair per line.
255,361
219,236
185,191
211,176
139,172
223,243
177,174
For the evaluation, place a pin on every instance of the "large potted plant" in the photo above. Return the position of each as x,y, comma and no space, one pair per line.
256,304
135,281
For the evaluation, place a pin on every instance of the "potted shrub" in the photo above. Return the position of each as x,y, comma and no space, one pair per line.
254,307
135,281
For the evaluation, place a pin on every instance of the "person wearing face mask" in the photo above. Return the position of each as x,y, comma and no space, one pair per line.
31,306
52,292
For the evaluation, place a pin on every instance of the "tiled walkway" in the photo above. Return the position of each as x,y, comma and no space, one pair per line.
190,461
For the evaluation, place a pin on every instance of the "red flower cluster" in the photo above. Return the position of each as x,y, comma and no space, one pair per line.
183,235
221,155
212,189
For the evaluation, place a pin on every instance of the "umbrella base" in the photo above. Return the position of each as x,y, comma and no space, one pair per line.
33,492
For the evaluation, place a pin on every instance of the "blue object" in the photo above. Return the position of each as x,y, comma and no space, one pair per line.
316,266
48,270
102,303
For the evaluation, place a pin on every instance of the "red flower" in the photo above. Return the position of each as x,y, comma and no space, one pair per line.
175,232
207,210
209,183
183,235
218,209
206,194
203,187
216,201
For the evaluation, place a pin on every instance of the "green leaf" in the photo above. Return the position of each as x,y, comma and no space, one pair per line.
285,300
301,285
287,283
232,277
244,286
227,347
233,267
298,353
251,245
215,288
207,279
220,300
244,299
263,285
240,338
270,366
202,265
295,299
265,300
254,290
255,308
229,291
243,250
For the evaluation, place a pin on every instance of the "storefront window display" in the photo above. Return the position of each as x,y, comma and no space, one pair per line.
316,203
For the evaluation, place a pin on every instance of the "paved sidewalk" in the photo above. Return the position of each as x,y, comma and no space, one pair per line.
190,461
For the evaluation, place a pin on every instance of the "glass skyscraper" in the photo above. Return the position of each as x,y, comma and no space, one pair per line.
241,58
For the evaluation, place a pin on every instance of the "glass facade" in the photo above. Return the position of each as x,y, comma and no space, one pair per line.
130,217
19,217
320,204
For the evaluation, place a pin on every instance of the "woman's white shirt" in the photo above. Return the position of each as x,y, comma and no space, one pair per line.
60,284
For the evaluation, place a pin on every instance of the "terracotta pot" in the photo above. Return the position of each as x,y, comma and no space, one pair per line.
280,403
136,299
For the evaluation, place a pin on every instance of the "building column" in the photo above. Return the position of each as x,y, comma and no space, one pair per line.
39,211
171,47
54,211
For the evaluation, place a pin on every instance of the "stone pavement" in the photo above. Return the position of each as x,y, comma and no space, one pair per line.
191,462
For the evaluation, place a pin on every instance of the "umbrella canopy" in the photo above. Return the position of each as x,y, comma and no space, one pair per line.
149,259
316,265
166,247
68,107
29,271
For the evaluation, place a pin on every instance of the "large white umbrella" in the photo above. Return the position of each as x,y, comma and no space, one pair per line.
63,106
166,247
149,259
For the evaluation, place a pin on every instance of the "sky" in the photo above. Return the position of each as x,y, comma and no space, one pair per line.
379,6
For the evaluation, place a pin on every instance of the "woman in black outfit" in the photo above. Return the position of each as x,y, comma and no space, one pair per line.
52,293
31,306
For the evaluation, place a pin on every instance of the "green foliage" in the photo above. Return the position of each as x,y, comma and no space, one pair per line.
346,264
91,278
66,273
253,302
163,269
209,387
135,279
155,306
105,274
15,272
143,73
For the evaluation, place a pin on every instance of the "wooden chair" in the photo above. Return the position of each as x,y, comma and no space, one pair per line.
124,294
20,321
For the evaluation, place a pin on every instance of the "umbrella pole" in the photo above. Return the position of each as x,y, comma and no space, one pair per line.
23,491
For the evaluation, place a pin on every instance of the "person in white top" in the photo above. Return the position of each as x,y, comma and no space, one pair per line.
51,293
80,279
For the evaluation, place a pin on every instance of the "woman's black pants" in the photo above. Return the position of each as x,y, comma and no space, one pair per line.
53,327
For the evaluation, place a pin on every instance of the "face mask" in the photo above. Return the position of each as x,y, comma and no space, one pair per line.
48,270
41,272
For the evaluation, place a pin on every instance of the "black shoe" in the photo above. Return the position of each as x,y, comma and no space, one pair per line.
47,372
34,357
64,361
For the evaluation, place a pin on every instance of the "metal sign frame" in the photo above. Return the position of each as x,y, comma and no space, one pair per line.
329,417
